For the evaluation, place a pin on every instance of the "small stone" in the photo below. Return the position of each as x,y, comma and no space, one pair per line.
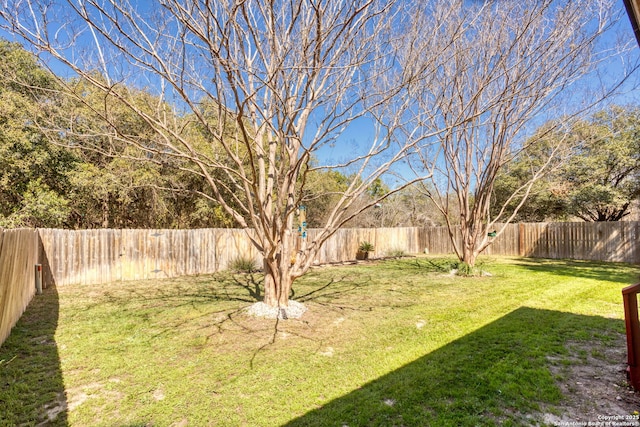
328,352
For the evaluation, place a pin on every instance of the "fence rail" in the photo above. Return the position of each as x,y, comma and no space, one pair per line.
103,256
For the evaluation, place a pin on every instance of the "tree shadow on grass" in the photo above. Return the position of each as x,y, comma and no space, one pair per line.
31,385
442,264
497,375
252,283
333,293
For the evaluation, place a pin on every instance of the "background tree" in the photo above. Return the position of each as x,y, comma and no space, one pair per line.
598,180
284,79
603,174
504,67
321,191
110,188
46,181
33,173
409,208
547,199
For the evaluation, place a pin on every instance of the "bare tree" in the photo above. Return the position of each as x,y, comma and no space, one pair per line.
504,68
268,84
406,208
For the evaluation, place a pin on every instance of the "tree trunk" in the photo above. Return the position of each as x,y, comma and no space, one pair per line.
469,256
105,213
472,242
278,277
277,282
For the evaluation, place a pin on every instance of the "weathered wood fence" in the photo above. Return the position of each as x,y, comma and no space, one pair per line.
599,241
103,256
19,253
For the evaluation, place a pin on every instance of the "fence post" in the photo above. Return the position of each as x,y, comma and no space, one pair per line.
38,279
632,323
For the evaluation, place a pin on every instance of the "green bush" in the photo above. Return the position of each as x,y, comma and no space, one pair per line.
243,263
366,247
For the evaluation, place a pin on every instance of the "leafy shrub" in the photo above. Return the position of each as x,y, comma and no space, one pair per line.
243,263
366,247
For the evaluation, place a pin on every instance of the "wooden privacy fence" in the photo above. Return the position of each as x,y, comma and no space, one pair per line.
102,256
597,241
19,253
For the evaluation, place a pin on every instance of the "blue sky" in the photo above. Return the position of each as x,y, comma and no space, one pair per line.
355,138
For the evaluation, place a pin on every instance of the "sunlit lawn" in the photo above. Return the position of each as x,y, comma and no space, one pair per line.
395,342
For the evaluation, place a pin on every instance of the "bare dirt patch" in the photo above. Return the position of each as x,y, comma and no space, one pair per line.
595,386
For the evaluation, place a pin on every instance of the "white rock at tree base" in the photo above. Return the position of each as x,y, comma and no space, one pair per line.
295,310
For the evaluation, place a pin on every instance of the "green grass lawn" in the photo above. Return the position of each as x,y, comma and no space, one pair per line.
386,343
